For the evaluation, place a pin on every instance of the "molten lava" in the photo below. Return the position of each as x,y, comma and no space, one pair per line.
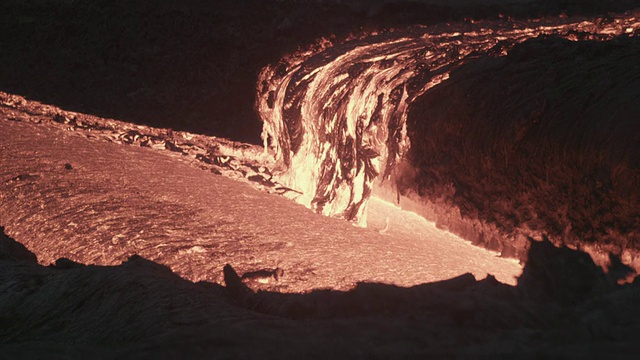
335,123
335,116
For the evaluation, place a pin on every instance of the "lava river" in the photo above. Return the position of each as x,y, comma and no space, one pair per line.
69,194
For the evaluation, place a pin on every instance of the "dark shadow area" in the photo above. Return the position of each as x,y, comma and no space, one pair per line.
563,305
14,251
192,65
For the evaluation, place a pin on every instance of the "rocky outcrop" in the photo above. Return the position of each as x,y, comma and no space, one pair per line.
13,250
561,275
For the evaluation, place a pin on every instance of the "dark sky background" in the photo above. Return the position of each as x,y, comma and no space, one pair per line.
192,65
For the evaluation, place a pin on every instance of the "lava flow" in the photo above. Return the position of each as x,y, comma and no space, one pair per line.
335,123
62,197
335,116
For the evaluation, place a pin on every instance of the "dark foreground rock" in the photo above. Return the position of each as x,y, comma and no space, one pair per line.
140,309
13,250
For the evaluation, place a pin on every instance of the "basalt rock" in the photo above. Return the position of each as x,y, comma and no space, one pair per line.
13,250
560,275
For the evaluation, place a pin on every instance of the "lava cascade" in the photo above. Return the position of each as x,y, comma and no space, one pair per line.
335,114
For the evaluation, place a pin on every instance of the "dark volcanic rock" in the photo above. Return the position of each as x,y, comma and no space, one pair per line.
560,275
543,140
65,264
13,250
141,309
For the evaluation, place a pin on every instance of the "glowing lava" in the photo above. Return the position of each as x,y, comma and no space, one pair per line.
335,123
335,116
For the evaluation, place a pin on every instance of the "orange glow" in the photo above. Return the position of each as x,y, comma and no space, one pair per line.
335,113
327,140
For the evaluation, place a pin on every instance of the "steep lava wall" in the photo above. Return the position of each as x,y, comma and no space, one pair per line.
544,140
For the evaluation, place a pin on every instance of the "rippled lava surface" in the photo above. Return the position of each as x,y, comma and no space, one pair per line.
95,202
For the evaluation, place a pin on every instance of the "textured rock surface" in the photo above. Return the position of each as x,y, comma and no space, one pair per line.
544,140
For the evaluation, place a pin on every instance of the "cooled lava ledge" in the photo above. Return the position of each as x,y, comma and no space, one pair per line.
541,142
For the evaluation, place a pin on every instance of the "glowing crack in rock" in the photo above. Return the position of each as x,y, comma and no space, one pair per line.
335,116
